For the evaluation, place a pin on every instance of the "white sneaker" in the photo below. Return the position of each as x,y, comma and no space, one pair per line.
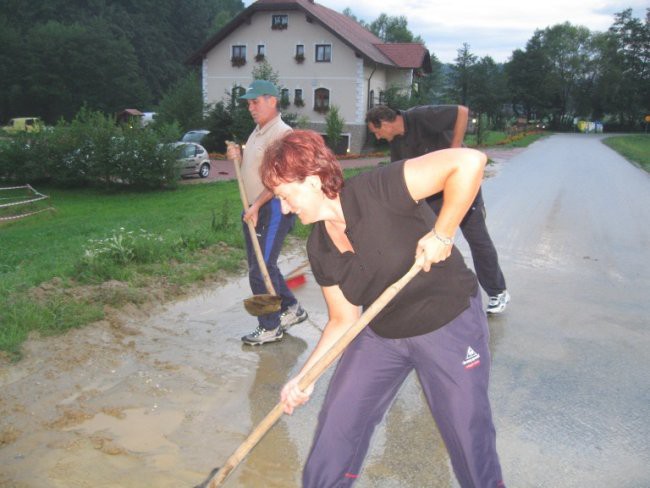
292,316
497,303
262,336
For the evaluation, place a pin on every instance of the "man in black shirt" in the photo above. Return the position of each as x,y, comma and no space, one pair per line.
420,130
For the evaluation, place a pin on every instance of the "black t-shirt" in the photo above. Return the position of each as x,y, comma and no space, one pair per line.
427,128
384,224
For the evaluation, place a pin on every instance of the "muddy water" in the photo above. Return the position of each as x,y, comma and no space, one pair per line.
156,401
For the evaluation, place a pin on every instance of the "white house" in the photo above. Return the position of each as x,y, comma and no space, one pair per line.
323,58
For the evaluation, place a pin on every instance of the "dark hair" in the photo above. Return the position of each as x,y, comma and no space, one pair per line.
299,154
381,112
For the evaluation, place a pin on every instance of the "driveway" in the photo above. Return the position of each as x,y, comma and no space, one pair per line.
166,396
222,169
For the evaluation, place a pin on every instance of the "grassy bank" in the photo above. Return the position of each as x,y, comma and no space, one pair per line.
98,251
635,147
55,266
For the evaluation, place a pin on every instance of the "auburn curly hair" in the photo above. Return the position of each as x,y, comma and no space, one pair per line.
299,154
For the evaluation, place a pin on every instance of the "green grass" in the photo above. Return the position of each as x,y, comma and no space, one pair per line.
49,283
58,269
501,139
635,147
490,138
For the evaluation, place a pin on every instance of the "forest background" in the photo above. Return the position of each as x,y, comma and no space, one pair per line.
58,56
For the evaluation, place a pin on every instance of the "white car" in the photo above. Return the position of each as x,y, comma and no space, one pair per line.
193,158
195,135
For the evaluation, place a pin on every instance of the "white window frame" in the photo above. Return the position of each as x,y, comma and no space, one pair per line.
329,98
280,25
232,51
322,44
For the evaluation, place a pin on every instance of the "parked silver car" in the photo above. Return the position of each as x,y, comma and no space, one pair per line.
195,135
193,158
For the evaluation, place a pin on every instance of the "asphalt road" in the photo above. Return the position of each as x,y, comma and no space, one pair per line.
569,388
166,396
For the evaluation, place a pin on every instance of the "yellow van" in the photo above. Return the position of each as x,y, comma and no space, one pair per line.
27,124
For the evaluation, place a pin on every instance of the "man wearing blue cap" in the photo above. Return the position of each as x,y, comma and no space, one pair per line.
265,213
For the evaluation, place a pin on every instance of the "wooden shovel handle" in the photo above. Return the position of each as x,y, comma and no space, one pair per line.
251,228
313,373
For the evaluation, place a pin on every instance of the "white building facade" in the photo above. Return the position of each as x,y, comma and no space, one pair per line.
323,59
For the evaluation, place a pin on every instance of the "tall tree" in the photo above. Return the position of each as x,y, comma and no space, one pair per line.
183,104
393,29
527,73
568,50
158,34
632,58
60,78
488,89
461,75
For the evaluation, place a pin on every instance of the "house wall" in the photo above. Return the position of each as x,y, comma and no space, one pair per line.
376,77
340,75
346,76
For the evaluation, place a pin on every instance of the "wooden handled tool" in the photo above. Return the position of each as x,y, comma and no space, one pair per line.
257,304
219,475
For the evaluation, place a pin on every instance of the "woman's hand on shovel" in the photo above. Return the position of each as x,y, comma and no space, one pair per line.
432,250
292,396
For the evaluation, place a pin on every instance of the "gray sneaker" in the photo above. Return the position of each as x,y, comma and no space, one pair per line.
292,316
497,303
262,336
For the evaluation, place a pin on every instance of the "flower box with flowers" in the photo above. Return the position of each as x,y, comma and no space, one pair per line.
300,58
238,61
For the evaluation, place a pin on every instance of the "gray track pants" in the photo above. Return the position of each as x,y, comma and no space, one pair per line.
452,364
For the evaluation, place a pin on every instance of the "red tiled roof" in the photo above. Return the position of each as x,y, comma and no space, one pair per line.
349,31
404,55
131,111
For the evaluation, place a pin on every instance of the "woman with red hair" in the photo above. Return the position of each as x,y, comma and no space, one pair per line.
367,232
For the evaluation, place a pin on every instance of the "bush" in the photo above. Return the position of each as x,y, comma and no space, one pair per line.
334,127
91,151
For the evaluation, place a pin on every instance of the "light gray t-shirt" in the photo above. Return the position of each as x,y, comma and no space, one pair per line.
253,153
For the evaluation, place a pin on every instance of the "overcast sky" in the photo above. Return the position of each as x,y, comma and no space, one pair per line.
490,27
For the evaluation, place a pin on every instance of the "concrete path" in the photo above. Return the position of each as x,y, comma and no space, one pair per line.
569,388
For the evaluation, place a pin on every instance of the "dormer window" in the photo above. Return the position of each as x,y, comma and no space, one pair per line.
279,22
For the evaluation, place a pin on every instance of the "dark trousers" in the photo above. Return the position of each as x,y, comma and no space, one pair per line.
272,228
452,364
484,254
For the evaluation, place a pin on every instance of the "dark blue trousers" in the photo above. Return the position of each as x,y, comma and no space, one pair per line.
484,254
452,364
272,229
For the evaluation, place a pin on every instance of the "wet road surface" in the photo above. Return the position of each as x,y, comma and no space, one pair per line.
163,400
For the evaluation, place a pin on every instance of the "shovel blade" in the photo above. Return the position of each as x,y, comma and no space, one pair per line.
262,304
